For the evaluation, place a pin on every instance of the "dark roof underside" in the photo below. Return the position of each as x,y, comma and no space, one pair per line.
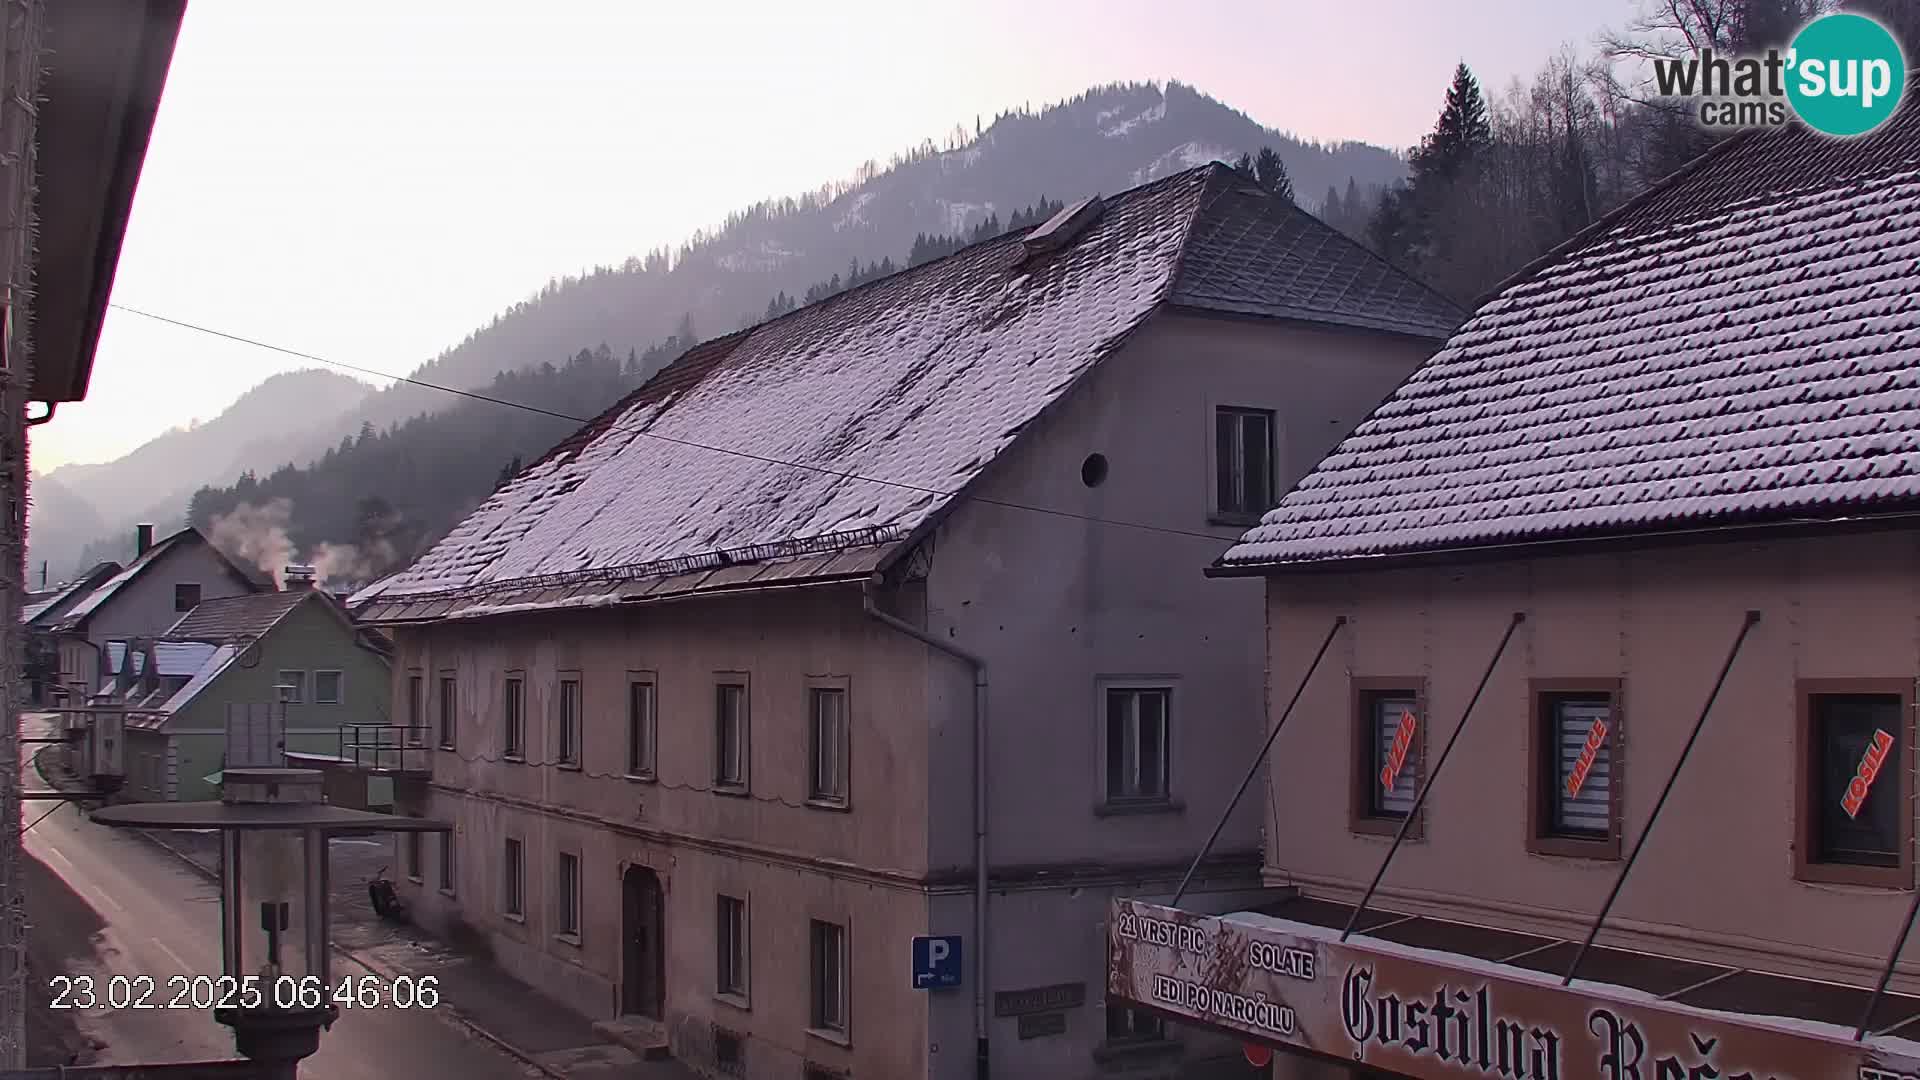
1740,347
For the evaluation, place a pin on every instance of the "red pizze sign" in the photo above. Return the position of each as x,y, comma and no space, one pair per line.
1596,738
1397,753
1869,771
1296,987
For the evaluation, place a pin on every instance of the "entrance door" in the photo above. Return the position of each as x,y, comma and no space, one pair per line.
642,928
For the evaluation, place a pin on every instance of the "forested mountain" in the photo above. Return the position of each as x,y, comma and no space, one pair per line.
767,257
75,505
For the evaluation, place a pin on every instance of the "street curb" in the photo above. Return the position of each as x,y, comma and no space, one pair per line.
378,967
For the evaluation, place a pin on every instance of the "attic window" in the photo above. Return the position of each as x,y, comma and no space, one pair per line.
1064,227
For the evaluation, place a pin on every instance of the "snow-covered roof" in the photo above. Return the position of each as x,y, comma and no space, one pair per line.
1741,346
180,657
55,603
249,615
813,445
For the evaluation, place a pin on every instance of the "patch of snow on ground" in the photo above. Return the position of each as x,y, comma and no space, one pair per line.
960,215
1180,158
853,216
768,256
1148,117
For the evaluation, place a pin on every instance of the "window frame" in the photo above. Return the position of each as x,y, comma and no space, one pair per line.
643,766
1218,512
816,795
817,1020
446,713
339,686
1110,803
299,684
449,865
1543,769
1806,866
1363,690
739,994
416,706
415,857
513,878
568,904
1155,1035
198,594
570,733
743,784
513,716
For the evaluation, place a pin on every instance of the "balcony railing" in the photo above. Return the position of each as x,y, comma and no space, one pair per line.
386,748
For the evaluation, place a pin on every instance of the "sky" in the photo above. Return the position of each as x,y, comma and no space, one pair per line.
369,182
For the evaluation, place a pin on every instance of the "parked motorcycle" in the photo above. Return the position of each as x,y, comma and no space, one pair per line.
385,899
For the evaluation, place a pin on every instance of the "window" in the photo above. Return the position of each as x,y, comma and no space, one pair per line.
827,745
516,725
513,880
414,861
1577,768
1128,1025
1136,743
730,937
640,726
1243,462
730,736
295,683
1390,738
326,687
416,711
446,863
569,727
568,896
829,976
186,596
448,703
1856,782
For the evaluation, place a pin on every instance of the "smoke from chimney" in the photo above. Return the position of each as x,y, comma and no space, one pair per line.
257,536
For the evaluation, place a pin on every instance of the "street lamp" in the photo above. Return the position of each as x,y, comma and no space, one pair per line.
275,989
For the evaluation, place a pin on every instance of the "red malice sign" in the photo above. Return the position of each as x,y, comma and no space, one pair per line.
1397,753
1596,738
1867,773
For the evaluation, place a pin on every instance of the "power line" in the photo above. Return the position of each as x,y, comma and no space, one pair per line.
42,817
688,443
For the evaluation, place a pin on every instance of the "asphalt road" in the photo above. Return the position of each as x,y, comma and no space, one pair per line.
129,909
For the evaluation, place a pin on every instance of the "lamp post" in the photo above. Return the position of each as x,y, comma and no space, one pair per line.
276,988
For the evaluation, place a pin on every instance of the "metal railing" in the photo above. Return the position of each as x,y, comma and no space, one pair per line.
397,748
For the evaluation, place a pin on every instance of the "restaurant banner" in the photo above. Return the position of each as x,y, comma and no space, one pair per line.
1430,1020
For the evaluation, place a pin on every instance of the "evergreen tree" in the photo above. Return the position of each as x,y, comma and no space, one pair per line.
1271,173
1461,133
1245,164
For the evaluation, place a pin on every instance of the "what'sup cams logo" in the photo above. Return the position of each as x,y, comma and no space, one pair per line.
1842,75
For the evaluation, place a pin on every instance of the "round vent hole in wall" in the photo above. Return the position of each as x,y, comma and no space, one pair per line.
1093,471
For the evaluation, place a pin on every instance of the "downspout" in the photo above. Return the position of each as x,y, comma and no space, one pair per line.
979,666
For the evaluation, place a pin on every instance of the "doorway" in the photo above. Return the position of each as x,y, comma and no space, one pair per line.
642,929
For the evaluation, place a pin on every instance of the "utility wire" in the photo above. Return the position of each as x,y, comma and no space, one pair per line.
748,455
42,817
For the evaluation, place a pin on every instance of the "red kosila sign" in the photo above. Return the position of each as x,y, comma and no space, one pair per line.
1397,753
1867,773
1596,738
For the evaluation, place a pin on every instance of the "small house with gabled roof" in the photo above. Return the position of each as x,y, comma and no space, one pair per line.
1634,558
297,648
883,620
165,580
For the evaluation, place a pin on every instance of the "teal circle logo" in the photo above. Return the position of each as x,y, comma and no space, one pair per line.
1846,74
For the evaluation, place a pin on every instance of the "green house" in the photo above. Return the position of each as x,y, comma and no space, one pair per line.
298,647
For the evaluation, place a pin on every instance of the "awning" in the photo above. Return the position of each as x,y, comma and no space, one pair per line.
214,777
1439,1000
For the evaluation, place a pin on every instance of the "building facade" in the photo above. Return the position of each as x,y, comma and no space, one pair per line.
1606,635
725,807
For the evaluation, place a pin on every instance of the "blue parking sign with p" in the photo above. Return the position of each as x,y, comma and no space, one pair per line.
936,962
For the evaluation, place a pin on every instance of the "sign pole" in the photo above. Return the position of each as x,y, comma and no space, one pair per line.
1426,785
1254,769
1746,627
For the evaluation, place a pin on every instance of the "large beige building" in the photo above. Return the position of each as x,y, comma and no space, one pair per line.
1684,453
705,689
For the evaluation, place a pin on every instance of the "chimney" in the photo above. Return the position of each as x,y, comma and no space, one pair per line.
142,539
298,577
